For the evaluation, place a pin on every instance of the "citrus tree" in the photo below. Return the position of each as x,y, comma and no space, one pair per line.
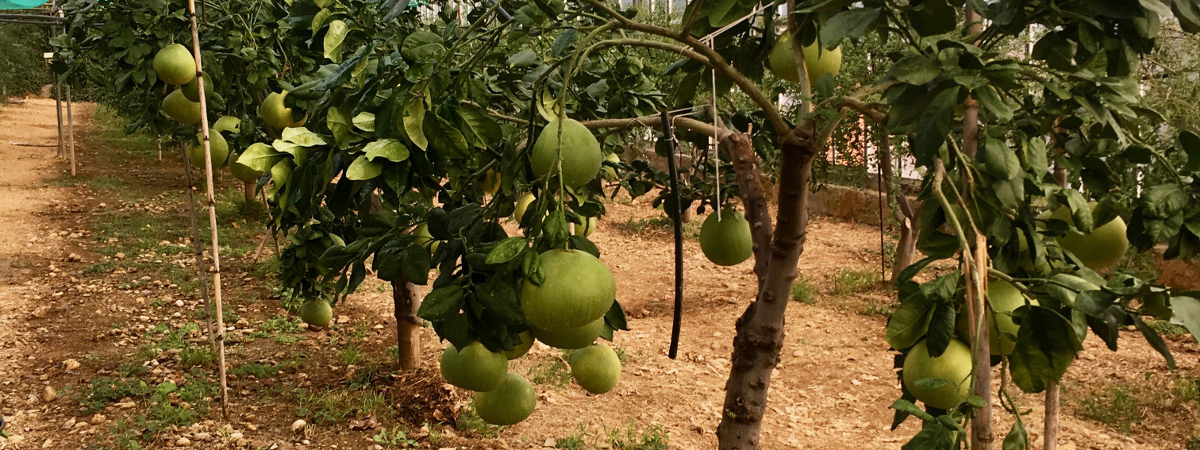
411,132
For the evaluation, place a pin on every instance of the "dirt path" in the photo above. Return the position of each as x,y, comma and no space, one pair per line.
31,245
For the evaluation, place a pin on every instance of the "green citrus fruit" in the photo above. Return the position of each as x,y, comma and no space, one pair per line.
425,239
726,241
474,367
522,205
953,366
610,173
191,90
275,113
217,147
178,107
491,182
241,171
596,368
1002,334
1102,248
571,338
317,313
174,64
586,228
521,348
1073,286
576,290
580,153
817,60
511,402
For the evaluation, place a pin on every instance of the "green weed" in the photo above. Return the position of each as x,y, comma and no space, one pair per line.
1116,406
396,437
1166,328
350,355
876,309
337,405
804,291
553,372
197,356
849,281
469,420
256,370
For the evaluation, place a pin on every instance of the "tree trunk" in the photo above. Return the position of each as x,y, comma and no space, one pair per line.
906,247
759,337
407,300
249,186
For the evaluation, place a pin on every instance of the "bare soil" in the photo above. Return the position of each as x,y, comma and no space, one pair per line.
84,296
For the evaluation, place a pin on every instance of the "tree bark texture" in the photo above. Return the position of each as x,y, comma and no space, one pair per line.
759,337
248,187
906,247
407,299
740,148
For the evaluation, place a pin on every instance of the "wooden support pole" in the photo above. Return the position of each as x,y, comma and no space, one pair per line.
212,209
71,129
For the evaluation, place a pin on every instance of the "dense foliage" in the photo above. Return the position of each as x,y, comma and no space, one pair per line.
22,68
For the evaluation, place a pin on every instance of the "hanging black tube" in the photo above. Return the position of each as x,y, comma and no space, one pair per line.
676,217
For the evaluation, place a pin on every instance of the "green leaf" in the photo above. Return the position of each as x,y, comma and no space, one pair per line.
1155,340
507,250
1046,346
365,121
1164,200
260,157
1186,312
481,124
993,104
852,23
912,409
719,12
303,137
280,173
523,58
910,322
935,17
445,138
1017,438
414,119
1000,160
389,149
916,70
338,121
422,46
228,123
1188,13
333,40
615,317
563,42
319,19
1191,145
441,303
363,169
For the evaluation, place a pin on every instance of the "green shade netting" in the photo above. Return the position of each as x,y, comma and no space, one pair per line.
21,4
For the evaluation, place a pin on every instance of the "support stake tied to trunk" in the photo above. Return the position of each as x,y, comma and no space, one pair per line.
212,210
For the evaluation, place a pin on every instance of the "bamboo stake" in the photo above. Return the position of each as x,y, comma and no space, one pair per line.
71,129
201,270
212,210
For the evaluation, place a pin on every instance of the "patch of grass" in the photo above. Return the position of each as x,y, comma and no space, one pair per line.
653,437
553,372
350,355
573,441
804,291
469,420
280,324
337,405
1115,406
876,309
158,303
255,369
105,182
849,281
103,391
635,227
1166,328
1186,390
197,356
230,316
396,437
362,378
1193,443
98,268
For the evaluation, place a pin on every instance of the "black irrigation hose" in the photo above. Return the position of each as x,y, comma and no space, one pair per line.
677,322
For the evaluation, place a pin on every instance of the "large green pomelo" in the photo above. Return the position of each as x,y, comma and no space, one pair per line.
818,61
491,182
1102,248
425,239
954,365
521,348
241,171
1002,334
571,338
523,204
581,154
511,402
275,113
596,368
217,147
577,289
726,241
317,313
178,107
192,89
586,228
174,64
474,367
